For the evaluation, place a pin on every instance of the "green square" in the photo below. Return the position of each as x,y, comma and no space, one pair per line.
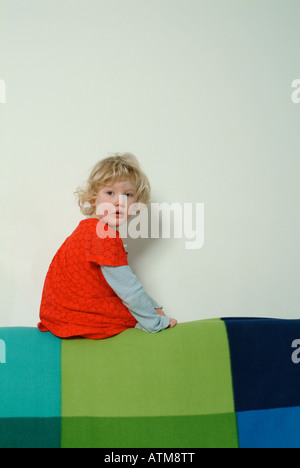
176,372
170,432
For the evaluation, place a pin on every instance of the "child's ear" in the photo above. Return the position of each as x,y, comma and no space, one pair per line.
93,202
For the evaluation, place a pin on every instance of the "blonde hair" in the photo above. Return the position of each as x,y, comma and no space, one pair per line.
123,166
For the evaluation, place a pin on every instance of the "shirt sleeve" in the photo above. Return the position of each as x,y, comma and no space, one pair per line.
127,286
154,303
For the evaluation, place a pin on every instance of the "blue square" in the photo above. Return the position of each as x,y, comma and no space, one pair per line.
263,373
273,428
30,378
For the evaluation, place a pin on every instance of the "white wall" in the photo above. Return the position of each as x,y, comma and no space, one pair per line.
200,91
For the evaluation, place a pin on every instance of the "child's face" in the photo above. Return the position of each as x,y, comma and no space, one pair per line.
115,200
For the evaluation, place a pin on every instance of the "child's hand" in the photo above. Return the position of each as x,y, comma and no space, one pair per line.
173,323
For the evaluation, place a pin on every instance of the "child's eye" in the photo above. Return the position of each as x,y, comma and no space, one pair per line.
109,193
129,195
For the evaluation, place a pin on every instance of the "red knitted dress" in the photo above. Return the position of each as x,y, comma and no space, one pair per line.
77,300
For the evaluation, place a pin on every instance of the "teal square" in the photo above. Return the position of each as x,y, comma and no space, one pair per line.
30,378
30,433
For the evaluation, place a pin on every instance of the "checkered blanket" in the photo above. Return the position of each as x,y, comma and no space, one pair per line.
211,383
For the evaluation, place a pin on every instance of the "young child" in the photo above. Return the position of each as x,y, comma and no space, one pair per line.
90,290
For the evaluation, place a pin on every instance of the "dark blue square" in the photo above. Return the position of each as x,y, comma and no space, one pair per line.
264,375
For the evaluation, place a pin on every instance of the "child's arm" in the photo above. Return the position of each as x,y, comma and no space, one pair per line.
158,308
154,303
126,285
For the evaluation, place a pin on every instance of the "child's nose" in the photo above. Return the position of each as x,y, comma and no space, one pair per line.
121,200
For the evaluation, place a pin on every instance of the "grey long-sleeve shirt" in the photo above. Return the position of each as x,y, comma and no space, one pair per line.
127,286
